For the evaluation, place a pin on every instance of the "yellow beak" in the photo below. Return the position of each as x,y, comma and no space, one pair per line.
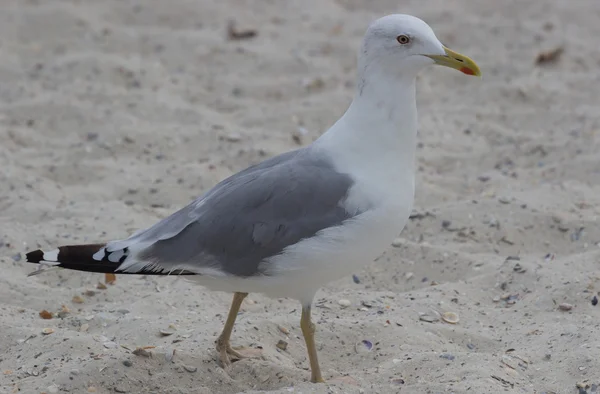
457,61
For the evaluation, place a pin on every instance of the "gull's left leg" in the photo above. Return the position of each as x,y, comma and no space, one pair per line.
308,330
226,352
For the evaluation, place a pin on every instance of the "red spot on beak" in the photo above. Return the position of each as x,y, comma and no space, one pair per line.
467,71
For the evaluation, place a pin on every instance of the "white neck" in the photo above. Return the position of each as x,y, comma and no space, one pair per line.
379,129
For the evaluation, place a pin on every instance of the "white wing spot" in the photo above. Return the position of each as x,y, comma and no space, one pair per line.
99,255
51,255
115,256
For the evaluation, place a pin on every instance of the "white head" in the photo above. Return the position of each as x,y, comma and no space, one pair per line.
402,45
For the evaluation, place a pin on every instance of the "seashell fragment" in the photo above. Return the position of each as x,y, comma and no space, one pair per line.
47,331
450,317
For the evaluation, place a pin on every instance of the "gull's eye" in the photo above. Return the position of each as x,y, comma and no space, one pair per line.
403,39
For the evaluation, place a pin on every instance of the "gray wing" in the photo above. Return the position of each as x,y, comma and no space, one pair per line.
250,216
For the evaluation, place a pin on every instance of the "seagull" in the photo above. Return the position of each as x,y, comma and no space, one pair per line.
297,221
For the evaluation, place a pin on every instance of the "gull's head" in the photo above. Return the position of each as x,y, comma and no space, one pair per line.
403,45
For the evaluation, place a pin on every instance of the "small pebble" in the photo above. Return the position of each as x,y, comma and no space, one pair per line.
64,312
313,84
17,257
447,356
47,331
565,306
355,279
363,346
169,354
74,372
89,293
127,363
110,345
577,234
233,137
344,303
84,327
77,299
298,134
45,314
142,352
190,368
283,330
594,300
282,345
397,242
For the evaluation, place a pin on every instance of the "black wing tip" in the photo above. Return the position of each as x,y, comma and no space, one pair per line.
79,258
35,256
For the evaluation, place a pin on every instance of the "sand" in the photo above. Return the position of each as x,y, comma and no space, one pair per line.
113,114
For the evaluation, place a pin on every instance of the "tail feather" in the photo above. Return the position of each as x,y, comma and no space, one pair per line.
75,257
91,258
